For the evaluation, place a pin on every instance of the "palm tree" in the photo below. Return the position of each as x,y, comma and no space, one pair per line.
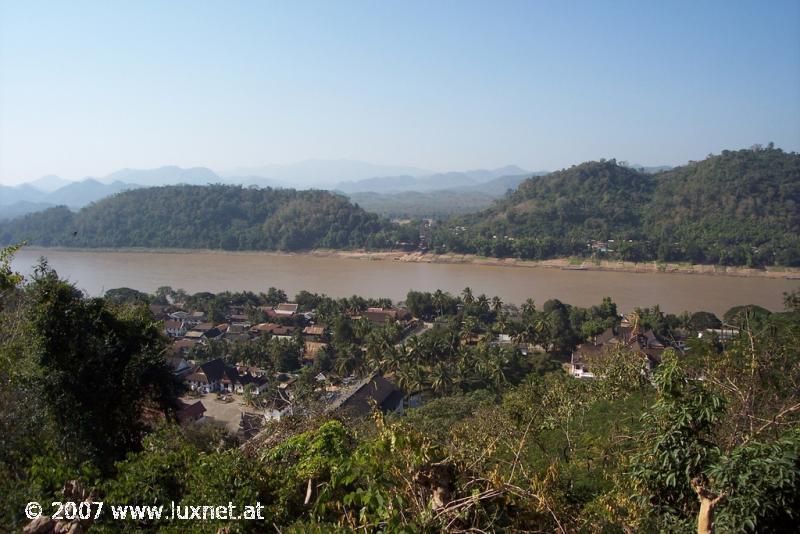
362,364
373,350
392,359
393,332
450,344
420,378
457,378
466,365
361,328
501,325
531,331
528,307
483,303
497,305
350,361
384,302
373,343
411,378
469,326
441,347
438,300
467,296
685,320
403,377
345,362
496,363
441,378
356,304
414,350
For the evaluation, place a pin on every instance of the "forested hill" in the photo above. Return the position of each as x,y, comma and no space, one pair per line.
214,216
719,207
738,208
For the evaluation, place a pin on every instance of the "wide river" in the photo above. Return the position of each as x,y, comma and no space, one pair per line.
95,272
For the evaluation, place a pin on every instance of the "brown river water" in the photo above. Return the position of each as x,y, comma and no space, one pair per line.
97,271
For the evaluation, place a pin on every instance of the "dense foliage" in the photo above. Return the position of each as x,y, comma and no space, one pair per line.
738,208
78,378
504,439
214,216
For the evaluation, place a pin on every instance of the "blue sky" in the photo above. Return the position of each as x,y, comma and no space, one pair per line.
90,87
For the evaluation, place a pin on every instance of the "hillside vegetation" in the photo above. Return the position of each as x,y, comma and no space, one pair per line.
737,208
215,216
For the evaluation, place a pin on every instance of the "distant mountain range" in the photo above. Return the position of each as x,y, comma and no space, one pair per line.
22,199
52,190
22,207
433,182
498,187
384,189
49,183
319,173
438,203
168,175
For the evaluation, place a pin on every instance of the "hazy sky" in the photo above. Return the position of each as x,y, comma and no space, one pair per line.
87,88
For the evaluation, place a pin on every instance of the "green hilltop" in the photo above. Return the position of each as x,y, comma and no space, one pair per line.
214,217
736,208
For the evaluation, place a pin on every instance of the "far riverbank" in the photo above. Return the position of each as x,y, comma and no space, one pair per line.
577,264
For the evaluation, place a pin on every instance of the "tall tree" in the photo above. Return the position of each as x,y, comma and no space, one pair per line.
100,368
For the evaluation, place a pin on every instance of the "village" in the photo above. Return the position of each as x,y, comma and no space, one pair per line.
242,396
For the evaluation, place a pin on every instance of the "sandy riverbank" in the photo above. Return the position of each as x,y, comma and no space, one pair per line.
469,259
565,263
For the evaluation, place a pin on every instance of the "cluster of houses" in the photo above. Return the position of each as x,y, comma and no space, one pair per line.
352,397
188,329
217,376
195,326
644,345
